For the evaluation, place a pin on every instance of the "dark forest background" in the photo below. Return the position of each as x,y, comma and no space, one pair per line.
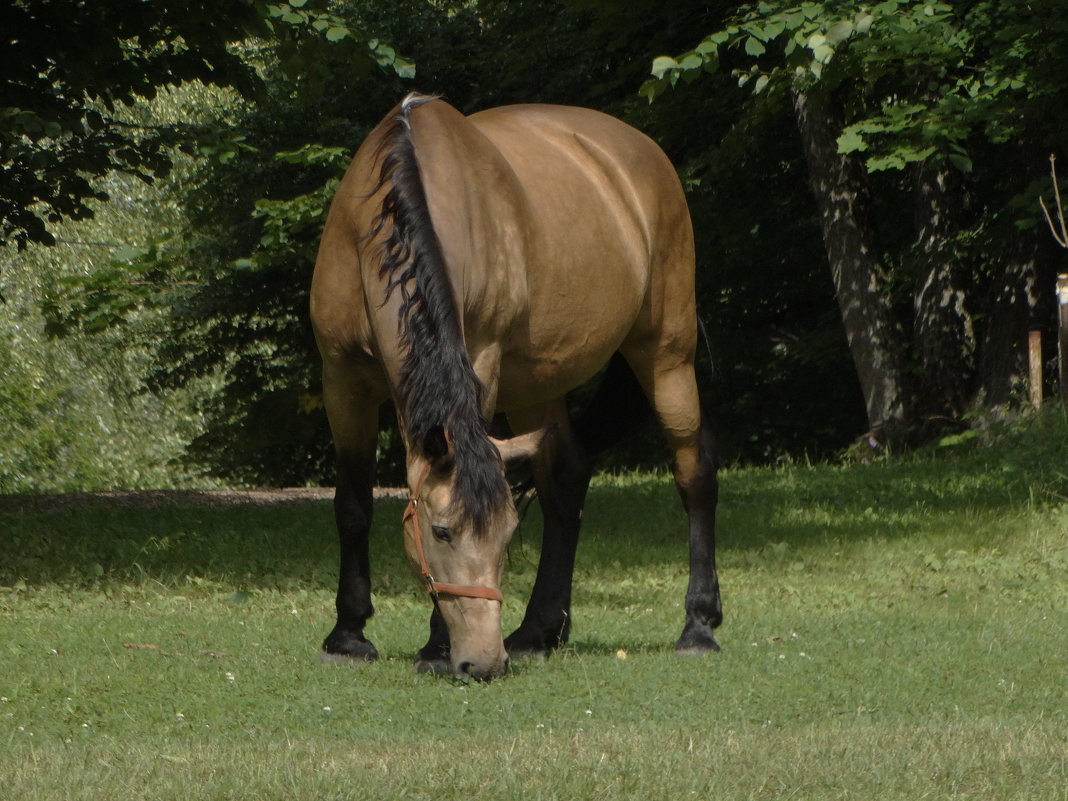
864,181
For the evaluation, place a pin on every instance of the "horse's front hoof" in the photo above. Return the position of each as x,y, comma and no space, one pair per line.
524,645
342,646
434,658
696,639
436,666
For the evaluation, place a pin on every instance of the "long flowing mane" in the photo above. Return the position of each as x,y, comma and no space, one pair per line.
439,390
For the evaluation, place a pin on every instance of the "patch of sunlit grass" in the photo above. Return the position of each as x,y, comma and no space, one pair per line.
893,631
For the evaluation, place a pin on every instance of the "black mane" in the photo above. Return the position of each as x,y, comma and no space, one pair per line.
440,394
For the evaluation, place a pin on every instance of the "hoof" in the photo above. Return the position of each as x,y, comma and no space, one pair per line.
433,658
347,647
344,659
526,644
695,642
689,650
436,667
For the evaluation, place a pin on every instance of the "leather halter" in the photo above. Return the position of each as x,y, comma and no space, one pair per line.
436,588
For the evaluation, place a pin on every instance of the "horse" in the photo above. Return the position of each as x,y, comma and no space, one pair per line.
492,263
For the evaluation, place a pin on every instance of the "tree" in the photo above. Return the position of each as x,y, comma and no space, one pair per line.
72,72
229,286
949,89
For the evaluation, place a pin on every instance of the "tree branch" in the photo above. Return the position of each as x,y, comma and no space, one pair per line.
1062,235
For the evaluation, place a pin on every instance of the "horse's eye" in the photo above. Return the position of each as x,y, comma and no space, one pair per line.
441,533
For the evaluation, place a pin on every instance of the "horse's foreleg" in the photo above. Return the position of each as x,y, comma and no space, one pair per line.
434,656
562,475
354,424
673,393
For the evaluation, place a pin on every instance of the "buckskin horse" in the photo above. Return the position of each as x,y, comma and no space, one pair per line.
493,263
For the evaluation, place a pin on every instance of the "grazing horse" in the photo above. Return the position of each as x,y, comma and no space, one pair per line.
492,263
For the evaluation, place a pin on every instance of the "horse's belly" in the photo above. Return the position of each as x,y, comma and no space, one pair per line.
559,351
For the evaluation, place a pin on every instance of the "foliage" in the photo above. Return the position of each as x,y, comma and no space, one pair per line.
73,415
935,74
219,294
74,73
178,644
232,275
970,88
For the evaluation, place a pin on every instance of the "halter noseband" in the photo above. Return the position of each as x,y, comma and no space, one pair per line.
436,588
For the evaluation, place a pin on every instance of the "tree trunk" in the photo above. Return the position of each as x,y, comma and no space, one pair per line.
839,184
944,334
1011,309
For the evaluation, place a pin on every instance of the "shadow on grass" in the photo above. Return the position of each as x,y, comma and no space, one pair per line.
630,523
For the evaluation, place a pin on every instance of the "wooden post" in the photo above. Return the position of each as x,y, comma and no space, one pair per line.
1034,352
1062,336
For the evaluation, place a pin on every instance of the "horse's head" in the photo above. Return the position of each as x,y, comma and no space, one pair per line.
460,555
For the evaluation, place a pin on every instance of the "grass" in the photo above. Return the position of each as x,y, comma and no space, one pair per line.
893,631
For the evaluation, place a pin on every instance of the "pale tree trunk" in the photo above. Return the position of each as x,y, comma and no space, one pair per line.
943,328
839,185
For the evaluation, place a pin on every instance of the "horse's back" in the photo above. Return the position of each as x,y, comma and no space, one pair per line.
611,256
565,234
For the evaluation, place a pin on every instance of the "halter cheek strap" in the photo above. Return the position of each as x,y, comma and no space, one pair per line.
436,588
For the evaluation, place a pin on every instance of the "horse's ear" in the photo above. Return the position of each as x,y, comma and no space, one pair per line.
437,448
524,446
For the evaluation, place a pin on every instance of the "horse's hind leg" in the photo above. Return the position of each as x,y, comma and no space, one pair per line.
562,475
672,389
354,423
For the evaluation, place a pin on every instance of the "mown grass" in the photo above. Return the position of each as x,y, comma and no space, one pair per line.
894,630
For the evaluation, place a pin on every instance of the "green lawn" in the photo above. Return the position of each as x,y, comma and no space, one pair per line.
893,631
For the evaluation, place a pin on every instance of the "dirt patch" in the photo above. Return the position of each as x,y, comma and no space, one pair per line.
149,499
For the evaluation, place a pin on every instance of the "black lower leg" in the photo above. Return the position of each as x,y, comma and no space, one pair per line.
434,656
352,511
704,610
562,482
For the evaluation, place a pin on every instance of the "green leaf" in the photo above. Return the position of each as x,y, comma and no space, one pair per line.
961,162
662,64
691,61
404,68
880,163
754,47
839,32
774,29
337,33
652,89
761,82
851,141
755,31
823,54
